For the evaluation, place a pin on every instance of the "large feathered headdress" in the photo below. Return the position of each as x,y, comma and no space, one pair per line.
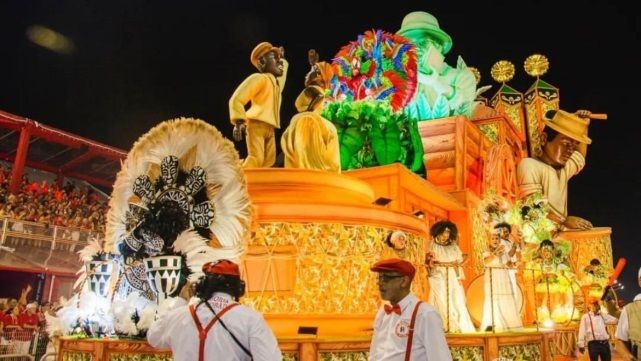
181,191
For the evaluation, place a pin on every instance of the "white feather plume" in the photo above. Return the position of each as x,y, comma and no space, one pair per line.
54,326
92,248
198,252
123,310
147,317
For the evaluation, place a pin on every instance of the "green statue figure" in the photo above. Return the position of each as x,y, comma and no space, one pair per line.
442,90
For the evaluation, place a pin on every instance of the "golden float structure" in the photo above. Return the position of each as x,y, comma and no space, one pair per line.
315,235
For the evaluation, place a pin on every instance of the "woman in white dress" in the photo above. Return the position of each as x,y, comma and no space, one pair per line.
500,307
444,259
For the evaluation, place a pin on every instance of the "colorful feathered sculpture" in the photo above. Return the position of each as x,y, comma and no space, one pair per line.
377,66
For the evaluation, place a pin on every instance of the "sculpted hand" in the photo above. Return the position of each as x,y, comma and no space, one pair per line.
312,56
239,130
583,113
434,80
573,222
282,52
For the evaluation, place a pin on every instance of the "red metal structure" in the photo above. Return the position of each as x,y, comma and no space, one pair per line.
26,142
34,253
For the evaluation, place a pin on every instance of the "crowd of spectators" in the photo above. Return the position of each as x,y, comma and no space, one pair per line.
23,325
49,204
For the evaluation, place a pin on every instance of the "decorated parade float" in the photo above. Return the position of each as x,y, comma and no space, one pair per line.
417,143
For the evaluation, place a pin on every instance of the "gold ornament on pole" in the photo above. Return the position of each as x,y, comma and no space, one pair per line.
536,65
479,90
502,71
508,101
539,98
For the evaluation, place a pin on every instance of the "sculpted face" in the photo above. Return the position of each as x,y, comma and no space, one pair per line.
272,64
314,77
426,47
557,151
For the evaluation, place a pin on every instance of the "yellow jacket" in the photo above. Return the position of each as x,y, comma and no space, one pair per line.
264,91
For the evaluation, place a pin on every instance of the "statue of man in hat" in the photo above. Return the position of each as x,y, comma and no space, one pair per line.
442,90
563,147
263,90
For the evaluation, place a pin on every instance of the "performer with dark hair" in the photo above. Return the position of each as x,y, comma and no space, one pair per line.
444,259
216,326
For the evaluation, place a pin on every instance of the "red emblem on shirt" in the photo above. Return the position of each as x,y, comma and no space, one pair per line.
402,328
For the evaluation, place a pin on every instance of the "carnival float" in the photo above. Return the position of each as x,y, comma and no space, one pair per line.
418,142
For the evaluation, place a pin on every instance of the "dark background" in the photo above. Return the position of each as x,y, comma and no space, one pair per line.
137,63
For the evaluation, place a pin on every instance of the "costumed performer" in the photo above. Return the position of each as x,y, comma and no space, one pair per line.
444,259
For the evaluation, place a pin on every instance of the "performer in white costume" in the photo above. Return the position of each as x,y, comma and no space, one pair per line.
444,259
500,307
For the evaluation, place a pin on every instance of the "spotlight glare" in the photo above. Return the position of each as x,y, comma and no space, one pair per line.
50,39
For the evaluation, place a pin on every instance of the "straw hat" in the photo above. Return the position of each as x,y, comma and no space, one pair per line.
260,50
569,125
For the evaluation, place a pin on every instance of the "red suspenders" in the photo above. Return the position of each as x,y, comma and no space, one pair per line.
410,336
202,333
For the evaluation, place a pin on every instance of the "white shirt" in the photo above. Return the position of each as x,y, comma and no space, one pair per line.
390,334
534,176
177,330
598,325
623,327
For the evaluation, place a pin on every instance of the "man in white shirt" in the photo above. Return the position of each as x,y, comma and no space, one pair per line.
406,328
629,328
215,327
593,332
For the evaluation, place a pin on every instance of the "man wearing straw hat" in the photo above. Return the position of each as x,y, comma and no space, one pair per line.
564,145
263,90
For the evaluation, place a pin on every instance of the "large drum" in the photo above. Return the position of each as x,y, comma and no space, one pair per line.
475,296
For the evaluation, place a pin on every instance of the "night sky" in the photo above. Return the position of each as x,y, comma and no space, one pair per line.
137,63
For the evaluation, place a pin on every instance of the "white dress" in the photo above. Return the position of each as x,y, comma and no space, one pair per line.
446,281
501,293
